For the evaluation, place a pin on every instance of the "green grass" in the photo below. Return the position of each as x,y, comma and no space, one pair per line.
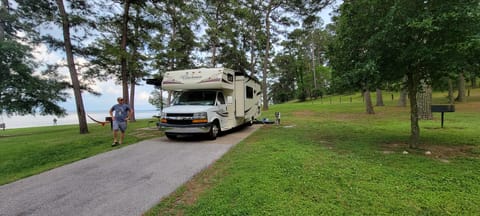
333,159
28,151
326,158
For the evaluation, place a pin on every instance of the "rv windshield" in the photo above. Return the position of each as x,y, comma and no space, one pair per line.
205,98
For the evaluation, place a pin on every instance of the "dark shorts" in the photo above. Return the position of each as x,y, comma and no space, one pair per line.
122,126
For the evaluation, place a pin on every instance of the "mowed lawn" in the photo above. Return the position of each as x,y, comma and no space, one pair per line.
28,151
326,158
333,159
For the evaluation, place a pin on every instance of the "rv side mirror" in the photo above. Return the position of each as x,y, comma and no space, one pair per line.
155,82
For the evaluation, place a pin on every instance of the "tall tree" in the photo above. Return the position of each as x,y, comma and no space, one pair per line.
175,40
218,15
72,68
123,49
63,17
249,21
138,59
108,59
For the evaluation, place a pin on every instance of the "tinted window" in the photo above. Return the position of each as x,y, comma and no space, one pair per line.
196,98
220,97
249,92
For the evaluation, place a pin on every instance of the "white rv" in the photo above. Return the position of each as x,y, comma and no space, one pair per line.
209,100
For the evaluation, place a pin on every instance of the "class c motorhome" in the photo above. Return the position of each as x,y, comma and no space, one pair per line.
209,100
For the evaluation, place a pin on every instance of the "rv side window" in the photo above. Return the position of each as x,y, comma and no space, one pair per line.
249,92
220,98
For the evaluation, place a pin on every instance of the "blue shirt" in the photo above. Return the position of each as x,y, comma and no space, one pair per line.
120,112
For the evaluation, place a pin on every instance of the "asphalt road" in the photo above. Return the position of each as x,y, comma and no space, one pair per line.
125,181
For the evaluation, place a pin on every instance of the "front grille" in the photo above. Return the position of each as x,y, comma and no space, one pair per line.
174,115
179,118
179,122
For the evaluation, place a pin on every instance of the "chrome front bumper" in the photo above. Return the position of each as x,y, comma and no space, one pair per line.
185,129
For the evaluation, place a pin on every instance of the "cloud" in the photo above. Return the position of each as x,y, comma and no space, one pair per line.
41,54
141,98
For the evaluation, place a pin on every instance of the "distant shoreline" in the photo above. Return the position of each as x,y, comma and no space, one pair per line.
28,121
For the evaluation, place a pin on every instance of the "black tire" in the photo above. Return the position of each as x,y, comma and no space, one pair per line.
214,130
170,136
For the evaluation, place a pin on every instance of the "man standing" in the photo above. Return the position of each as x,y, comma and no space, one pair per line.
120,114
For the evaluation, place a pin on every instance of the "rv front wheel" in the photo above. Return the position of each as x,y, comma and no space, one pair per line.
170,136
214,130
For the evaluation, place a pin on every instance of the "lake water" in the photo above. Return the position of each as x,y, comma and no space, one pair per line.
71,118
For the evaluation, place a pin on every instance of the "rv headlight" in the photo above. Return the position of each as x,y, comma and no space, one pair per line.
200,117
163,117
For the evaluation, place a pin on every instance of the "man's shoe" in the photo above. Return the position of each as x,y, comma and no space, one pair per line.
115,144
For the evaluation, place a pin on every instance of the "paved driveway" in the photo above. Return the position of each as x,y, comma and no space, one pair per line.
125,181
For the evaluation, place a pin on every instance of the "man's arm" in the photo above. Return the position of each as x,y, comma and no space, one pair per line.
130,112
111,113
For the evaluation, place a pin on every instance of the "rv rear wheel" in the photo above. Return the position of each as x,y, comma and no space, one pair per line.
214,130
250,123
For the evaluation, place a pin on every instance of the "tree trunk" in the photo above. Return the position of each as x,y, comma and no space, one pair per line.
123,48
450,91
474,82
266,59
252,55
72,69
132,97
214,45
424,102
402,101
461,88
368,102
3,10
169,97
379,98
414,127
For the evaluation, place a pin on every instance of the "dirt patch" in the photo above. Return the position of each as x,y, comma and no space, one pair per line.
467,107
440,152
346,116
303,113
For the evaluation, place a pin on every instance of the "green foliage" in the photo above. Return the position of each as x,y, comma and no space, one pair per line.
175,38
21,90
299,68
424,41
387,39
105,54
